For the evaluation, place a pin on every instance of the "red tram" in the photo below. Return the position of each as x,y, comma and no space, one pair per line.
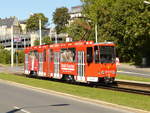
82,61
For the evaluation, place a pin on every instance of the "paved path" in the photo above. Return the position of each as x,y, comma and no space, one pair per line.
133,70
22,100
15,69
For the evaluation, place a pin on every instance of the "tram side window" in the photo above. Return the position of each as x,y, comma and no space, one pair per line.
40,57
96,54
44,55
68,55
51,55
89,54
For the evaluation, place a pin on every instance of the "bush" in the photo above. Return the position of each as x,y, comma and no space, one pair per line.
5,56
20,55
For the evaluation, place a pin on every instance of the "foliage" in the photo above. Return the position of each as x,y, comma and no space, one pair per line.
46,40
126,22
60,19
36,42
130,26
33,22
80,29
20,55
4,56
1,46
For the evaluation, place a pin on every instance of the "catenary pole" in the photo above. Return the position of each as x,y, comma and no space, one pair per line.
12,47
55,37
146,2
40,32
96,32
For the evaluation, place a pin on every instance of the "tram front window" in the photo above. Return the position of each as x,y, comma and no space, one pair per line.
104,54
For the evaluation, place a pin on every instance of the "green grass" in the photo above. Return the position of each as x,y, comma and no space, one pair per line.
121,98
134,78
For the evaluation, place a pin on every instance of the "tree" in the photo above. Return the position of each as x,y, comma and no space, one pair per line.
98,13
46,40
4,56
36,42
21,56
80,29
126,22
1,46
33,22
130,26
60,19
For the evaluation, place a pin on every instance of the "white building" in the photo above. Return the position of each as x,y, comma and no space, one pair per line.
21,37
75,13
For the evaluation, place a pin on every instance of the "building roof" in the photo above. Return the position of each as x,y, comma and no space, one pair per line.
76,9
23,21
7,21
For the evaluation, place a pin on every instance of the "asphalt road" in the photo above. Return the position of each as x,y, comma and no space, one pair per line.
15,99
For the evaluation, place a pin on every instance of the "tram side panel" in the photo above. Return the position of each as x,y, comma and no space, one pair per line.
51,63
68,65
31,61
45,63
26,64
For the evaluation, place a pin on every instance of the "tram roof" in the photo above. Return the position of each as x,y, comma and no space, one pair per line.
69,45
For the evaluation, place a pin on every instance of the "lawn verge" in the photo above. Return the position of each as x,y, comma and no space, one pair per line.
120,98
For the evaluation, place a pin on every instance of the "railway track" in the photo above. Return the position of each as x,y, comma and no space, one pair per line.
130,87
124,86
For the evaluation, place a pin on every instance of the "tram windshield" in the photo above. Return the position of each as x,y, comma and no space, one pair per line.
104,54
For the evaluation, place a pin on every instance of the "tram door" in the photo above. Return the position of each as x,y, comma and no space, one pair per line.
50,63
40,71
81,67
56,64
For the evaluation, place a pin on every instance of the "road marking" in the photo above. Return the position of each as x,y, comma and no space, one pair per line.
21,109
132,73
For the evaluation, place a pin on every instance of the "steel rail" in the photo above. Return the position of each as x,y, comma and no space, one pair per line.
128,86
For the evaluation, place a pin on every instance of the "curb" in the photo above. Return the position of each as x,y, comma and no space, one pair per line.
87,100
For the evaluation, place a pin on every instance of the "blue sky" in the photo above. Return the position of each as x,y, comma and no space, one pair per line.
23,8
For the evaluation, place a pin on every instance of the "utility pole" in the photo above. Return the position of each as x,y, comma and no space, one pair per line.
40,32
16,53
55,37
12,47
146,2
24,42
96,32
